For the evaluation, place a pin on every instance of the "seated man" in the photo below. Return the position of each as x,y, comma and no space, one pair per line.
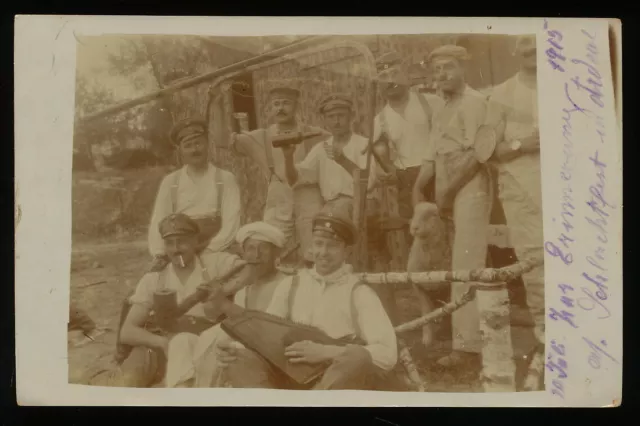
186,273
261,244
330,298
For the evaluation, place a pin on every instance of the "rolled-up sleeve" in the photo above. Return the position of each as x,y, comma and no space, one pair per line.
145,289
377,127
376,328
472,115
161,209
251,145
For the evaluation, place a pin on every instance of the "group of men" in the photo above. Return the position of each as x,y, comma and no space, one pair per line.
310,200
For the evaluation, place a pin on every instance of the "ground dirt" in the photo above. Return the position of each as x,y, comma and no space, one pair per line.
103,274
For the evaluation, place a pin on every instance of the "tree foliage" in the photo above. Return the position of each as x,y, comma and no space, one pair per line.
151,62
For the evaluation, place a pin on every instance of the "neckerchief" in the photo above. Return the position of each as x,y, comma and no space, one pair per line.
335,277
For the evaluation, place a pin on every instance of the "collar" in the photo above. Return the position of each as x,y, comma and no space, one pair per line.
171,271
208,172
332,140
335,277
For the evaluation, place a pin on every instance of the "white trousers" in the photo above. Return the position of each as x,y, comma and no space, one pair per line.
471,213
523,212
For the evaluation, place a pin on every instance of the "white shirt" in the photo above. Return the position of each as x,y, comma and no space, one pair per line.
409,132
331,177
198,199
216,264
517,105
325,302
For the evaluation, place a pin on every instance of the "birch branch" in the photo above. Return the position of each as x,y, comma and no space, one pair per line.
446,309
484,275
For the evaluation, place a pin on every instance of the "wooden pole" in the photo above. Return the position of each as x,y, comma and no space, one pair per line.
238,66
498,365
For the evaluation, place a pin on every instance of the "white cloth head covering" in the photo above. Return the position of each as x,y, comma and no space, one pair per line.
261,231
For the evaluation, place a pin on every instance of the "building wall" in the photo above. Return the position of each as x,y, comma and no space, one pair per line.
342,69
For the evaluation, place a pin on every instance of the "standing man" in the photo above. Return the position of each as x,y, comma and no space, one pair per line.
462,187
405,122
289,209
207,194
330,298
513,111
331,164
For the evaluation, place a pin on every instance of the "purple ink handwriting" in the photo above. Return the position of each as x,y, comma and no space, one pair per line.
568,302
557,364
555,57
597,352
595,279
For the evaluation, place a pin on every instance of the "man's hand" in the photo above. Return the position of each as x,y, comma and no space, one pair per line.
531,144
163,345
417,197
288,151
333,152
227,352
308,353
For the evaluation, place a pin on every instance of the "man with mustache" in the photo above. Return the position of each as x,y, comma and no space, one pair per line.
405,123
290,209
202,191
331,164
185,274
329,297
462,187
513,112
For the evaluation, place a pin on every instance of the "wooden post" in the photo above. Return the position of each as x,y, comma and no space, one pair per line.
498,365
359,220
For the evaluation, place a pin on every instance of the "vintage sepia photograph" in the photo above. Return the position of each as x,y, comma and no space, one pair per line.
312,212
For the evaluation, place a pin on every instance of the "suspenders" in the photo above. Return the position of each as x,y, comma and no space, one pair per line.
384,126
219,190
295,283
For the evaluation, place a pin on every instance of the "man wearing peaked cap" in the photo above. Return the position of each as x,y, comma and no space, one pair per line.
284,92
388,60
330,298
154,356
331,164
200,190
186,129
335,100
449,51
402,129
462,187
177,224
290,209
335,226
